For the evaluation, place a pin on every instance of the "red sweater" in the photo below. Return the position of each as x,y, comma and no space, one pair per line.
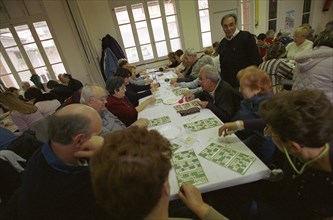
123,109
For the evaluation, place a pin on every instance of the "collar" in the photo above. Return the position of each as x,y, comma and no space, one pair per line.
212,93
57,164
234,35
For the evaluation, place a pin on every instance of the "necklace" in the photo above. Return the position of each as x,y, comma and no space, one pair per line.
322,153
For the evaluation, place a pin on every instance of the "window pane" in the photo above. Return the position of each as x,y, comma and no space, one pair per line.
169,6
34,55
141,28
175,44
6,38
132,55
162,49
204,20
147,52
158,29
206,39
122,15
25,76
272,9
272,25
51,51
9,81
16,58
306,6
42,30
305,18
44,74
127,35
138,12
154,9
24,34
58,68
203,4
4,69
172,26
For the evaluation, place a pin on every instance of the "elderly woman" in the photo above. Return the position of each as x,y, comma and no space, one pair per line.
255,87
300,44
300,124
314,68
24,115
276,68
120,105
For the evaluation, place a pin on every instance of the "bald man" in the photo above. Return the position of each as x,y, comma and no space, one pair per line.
56,182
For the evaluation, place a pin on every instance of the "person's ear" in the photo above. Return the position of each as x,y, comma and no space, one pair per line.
166,188
294,147
78,140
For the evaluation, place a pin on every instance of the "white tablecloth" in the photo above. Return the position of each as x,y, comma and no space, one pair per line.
218,176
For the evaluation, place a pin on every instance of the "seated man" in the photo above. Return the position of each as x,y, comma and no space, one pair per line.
130,177
193,65
56,182
217,95
95,97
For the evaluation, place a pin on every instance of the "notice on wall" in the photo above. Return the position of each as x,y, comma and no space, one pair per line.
290,19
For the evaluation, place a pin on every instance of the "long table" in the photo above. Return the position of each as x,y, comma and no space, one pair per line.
218,176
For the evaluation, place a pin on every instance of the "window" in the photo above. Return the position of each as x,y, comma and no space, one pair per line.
25,49
204,23
245,11
272,14
152,32
306,11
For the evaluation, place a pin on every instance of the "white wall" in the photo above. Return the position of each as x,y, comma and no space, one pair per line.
319,18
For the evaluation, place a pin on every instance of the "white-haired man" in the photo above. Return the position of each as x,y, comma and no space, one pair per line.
95,97
217,95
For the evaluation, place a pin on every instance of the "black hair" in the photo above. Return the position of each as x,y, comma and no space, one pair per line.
114,83
261,36
51,83
123,72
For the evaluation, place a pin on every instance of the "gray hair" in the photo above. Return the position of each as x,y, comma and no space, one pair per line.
204,60
325,38
212,73
190,52
228,16
87,92
63,128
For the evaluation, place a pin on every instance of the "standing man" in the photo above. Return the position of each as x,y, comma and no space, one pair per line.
238,49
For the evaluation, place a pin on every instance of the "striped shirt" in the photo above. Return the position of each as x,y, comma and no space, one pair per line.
277,70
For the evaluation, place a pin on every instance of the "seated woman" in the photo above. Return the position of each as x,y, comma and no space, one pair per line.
139,78
300,44
24,115
46,103
135,92
120,105
173,62
300,124
276,68
255,87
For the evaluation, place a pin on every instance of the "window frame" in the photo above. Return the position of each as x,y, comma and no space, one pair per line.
199,24
153,42
29,21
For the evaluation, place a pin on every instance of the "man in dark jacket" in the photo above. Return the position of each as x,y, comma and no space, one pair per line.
238,49
217,95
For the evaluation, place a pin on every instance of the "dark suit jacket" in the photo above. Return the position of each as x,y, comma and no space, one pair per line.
226,102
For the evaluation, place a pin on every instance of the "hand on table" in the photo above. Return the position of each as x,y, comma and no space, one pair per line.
141,122
203,104
230,128
191,196
189,96
88,148
151,100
